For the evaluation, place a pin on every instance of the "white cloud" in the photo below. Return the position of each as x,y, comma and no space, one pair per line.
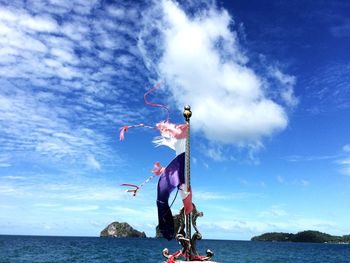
210,196
203,65
346,148
40,24
214,153
64,56
344,161
4,160
295,182
287,83
280,179
310,158
14,177
273,212
279,222
60,193
117,12
81,208
206,196
7,190
8,15
53,81
46,205
92,162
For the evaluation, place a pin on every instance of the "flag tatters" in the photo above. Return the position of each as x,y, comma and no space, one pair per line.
173,176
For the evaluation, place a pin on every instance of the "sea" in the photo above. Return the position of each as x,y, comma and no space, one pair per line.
148,250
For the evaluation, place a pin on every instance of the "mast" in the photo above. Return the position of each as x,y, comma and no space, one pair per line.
187,114
186,222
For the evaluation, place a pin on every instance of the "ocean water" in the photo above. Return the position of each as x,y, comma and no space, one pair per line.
95,249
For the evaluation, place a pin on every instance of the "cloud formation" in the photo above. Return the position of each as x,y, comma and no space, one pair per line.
203,65
69,71
63,67
328,88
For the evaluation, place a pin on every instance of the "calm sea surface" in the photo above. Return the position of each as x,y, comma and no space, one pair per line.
94,249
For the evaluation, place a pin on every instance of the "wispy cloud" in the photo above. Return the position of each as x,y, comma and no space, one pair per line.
46,205
206,196
292,181
280,179
273,212
5,160
344,161
61,78
147,213
248,228
81,208
7,190
286,84
328,88
75,77
310,158
342,28
61,192
14,177
92,162
341,159
346,148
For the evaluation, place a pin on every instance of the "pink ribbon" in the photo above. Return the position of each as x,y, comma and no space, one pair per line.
134,191
158,169
123,130
155,104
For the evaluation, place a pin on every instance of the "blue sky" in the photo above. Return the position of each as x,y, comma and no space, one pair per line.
269,86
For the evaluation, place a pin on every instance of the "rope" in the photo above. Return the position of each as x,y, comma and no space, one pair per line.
174,198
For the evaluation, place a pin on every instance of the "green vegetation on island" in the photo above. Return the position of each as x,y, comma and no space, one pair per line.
304,236
117,229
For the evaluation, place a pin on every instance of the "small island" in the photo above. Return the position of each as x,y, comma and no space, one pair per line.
310,236
120,230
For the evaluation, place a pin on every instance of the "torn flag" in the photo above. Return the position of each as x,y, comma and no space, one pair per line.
186,196
173,136
172,177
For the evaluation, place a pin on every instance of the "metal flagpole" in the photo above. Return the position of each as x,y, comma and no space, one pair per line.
187,114
186,222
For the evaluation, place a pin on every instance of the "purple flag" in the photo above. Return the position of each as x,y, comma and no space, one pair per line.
172,177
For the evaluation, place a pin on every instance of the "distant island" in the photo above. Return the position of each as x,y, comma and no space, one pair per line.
304,236
121,230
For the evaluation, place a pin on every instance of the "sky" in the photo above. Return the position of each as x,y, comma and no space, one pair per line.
269,87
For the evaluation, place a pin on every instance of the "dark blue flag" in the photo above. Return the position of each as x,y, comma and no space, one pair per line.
172,177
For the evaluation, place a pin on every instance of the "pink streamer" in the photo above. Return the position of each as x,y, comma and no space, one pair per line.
124,129
158,169
155,104
178,131
134,191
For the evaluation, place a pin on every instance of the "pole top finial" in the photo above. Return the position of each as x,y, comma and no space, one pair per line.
187,113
